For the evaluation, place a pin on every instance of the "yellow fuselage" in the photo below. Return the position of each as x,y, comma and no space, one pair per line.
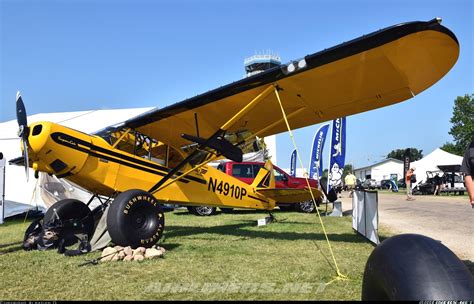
92,163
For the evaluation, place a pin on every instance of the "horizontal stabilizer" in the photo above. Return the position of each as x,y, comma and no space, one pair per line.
290,195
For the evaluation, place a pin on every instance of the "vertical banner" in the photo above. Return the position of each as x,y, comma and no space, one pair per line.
2,187
406,163
337,153
316,156
293,163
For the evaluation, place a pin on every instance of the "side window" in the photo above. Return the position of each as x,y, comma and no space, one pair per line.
239,170
256,168
279,176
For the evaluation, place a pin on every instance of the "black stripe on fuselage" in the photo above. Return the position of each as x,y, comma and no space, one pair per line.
72,142
256,198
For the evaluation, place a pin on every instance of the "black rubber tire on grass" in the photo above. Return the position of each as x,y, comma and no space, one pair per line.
136,219
71,209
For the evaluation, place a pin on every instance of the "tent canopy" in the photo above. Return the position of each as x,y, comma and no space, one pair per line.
431,162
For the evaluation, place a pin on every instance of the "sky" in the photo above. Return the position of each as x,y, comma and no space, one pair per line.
85,55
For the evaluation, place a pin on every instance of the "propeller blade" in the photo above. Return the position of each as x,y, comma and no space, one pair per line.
25,155
20,111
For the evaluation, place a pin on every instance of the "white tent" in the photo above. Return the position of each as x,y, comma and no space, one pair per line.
21,195
430,162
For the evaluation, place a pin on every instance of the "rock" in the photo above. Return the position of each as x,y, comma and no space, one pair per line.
141,249
115,257
118,248
121,255
128,258
128,251
108,253
163,250
136,252
138,257
152,253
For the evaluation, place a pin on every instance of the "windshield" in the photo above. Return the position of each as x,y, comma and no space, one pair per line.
135,143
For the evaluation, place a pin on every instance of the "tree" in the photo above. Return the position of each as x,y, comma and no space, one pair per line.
415,154
462,129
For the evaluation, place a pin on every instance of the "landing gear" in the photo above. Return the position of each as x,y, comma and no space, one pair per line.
135,218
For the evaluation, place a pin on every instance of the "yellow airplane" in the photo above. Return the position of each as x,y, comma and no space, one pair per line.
161,156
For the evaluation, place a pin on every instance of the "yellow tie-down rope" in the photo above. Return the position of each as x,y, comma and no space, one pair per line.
340,276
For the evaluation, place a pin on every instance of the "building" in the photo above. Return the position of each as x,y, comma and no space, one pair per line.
257,64
381,170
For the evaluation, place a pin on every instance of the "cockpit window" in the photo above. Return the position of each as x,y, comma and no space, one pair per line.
135,143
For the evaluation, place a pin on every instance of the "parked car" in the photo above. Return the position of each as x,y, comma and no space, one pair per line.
247,171
385,184
370,184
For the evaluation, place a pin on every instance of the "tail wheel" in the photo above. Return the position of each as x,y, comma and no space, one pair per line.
305,207
202,210
135,218
75,217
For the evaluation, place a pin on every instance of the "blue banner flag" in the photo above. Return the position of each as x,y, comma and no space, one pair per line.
293,163
338,153
316,160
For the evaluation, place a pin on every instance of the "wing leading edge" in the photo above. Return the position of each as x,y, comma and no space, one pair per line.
370,72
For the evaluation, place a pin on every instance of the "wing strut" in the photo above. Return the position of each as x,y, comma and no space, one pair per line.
211,141
340,276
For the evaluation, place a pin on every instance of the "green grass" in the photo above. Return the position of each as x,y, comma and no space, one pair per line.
223,249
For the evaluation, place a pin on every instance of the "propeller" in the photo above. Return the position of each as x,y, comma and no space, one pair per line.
23,130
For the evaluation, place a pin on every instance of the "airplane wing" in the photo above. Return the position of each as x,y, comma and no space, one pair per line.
376,70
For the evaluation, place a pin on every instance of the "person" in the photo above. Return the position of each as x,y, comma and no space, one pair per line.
437,182
467,168
408,183
350,181
393,184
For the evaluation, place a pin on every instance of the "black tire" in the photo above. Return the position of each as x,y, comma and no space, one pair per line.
136,219
202,210
191,210
415,267
69,210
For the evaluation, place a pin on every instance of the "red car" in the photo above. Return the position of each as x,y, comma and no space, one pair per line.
247,171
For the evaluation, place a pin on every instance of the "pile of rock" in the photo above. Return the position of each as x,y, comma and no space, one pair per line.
119,253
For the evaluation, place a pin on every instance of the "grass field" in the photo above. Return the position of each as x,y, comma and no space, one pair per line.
221,257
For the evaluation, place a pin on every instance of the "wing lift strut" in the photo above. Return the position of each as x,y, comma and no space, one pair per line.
216,142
